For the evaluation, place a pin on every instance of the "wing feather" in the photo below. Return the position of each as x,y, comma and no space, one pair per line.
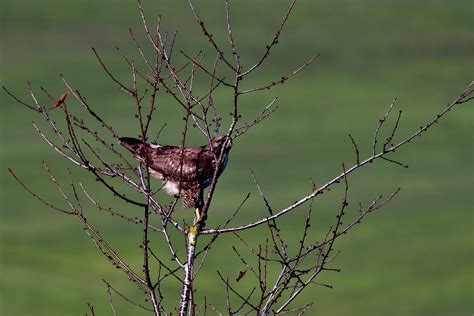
188,165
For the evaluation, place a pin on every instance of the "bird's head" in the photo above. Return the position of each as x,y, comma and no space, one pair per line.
220,141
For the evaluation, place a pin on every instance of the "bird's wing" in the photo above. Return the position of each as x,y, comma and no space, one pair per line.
186,165
191,164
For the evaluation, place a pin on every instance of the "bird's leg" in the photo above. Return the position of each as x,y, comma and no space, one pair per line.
198,214
199,206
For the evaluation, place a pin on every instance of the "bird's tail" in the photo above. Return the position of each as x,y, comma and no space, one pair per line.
132,144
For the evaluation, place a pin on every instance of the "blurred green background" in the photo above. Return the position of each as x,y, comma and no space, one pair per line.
414,257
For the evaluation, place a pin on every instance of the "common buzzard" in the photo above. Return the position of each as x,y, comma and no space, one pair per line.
185,171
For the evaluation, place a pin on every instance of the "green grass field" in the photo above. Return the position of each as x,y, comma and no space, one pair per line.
414,257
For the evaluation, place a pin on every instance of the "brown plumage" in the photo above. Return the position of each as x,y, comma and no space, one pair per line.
187,171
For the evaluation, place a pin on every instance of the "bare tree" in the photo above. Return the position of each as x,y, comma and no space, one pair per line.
87,140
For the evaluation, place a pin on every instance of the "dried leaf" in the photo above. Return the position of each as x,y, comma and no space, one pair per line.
241,275
60,100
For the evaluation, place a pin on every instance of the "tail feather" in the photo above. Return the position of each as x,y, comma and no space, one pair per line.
131,144
192,197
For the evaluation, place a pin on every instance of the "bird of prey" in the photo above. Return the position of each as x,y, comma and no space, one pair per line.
185,171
